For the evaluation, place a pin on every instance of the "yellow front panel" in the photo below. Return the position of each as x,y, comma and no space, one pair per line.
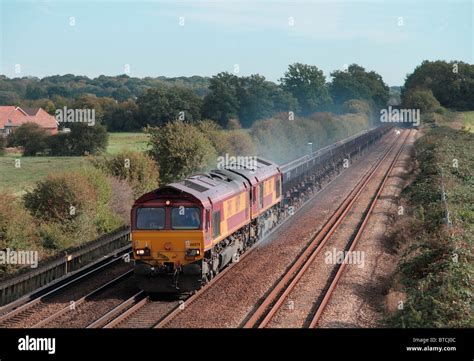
177,241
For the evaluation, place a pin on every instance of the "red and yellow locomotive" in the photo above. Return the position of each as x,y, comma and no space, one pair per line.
184,233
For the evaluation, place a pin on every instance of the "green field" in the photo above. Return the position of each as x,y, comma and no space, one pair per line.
127,141
18,180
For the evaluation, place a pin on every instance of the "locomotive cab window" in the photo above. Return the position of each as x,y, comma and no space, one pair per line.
150,218
185,218
278,188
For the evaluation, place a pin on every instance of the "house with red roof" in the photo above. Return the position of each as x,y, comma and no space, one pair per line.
12,117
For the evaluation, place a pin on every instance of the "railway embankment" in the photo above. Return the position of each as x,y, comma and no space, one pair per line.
433,235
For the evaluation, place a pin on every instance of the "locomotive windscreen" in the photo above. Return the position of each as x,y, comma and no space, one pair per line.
150,218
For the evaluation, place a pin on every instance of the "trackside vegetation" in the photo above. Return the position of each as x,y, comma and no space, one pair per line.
435,238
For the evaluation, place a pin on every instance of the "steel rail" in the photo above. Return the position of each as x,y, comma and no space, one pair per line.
83,276
83,299
171,316
273,301
334,282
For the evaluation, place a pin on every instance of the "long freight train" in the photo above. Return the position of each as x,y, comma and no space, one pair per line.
184,233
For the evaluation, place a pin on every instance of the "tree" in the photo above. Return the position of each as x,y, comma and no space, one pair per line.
260,99
308,85
83,139
44,103
245,99
100,105
58,90
284,101
123,118
31,137
121,94
160,105
8,97
222,102
255,99
452,84
357,83
34,92
180,149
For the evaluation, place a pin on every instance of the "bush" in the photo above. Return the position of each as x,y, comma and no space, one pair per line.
180,149
61,197
55,236
122,199
82,140
104,217
74,205
3,143
138,169
31,137
17,229
233,124
421,99
358,106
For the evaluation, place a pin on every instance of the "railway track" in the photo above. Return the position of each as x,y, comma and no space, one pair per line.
90,298
54,302
145,313
167,320
141,311
317,315
263,315
136,311
116,311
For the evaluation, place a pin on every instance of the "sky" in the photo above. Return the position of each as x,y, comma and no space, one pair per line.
185,38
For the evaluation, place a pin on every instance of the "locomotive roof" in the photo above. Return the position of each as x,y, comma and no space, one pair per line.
218,184
258,170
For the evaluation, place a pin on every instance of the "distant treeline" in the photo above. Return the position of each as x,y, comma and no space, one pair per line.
69,86
124,103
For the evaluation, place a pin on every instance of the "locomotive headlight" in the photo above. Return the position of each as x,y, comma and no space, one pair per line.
142,252
192,252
